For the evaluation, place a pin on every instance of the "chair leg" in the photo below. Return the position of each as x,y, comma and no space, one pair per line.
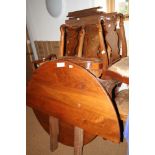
78,141
54,132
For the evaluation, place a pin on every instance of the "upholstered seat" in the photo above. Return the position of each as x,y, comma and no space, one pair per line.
120,70
121,67
109,85
122,102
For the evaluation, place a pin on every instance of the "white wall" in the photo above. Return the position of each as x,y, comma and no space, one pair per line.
42,26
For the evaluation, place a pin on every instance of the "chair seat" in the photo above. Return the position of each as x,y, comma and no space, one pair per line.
121,67
108,85
122,102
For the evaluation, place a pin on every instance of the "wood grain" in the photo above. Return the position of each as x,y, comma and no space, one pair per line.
94,65
75,96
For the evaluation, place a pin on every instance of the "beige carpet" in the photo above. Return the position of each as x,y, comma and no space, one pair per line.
38,142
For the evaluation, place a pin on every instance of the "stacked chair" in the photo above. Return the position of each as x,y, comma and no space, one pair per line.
77,96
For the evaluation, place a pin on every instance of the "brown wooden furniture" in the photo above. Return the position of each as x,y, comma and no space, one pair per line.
72,96
116,48
84,103
104,38
93,65
93,42
71,41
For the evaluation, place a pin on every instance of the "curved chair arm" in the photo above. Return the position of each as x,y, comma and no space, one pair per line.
62,38
122,35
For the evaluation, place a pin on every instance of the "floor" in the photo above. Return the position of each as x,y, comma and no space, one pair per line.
38,142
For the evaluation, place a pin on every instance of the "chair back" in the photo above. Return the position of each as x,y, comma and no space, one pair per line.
94,34
114,34
71,41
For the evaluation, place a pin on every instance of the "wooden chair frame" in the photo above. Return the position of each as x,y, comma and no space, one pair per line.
62,39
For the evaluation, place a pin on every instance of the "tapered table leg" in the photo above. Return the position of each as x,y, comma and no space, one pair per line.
54,132
78,141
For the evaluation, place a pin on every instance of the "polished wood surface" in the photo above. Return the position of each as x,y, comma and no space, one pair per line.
71,40
62,39
81,40
79,99
94,65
